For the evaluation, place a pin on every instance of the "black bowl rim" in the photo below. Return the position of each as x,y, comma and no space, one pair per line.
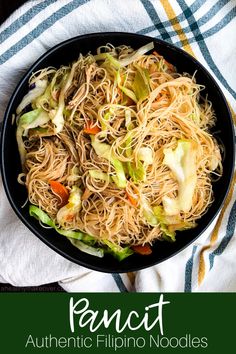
6,121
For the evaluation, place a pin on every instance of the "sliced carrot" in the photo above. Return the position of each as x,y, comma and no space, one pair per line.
91,128
134,197
133,200
69,217
60,191
144,250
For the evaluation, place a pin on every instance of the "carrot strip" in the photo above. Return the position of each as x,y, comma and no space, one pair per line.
60,191
132,200
91,128
144,250
69,217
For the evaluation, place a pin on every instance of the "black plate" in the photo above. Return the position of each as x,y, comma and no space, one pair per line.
67,52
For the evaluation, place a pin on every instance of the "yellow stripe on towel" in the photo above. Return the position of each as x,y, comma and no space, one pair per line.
176,26
214,235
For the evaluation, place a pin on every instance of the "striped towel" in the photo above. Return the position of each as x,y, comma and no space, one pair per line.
207,30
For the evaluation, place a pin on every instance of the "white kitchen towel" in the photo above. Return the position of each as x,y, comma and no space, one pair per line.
204,28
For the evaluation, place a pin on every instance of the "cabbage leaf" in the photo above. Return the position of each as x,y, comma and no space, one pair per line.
182,163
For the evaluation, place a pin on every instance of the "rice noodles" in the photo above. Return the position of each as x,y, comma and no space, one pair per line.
111,130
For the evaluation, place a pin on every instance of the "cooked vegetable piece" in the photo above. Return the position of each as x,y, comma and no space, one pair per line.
117,251
105,151
58,118
134,200
96,174
141,83
144,250
79,239
182,162
90,128
60,191
148,213
29,120
128,60
39,88
69,211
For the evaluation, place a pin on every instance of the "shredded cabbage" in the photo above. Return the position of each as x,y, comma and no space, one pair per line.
117,251
40,215
128,60
141,83
97,174
111,60
58,118
160,215
134,56
148,213
83,247
45,98
82,241
124,89
136,171
145,154
38,90
27,121
73,206
105,151
182,162
33,119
